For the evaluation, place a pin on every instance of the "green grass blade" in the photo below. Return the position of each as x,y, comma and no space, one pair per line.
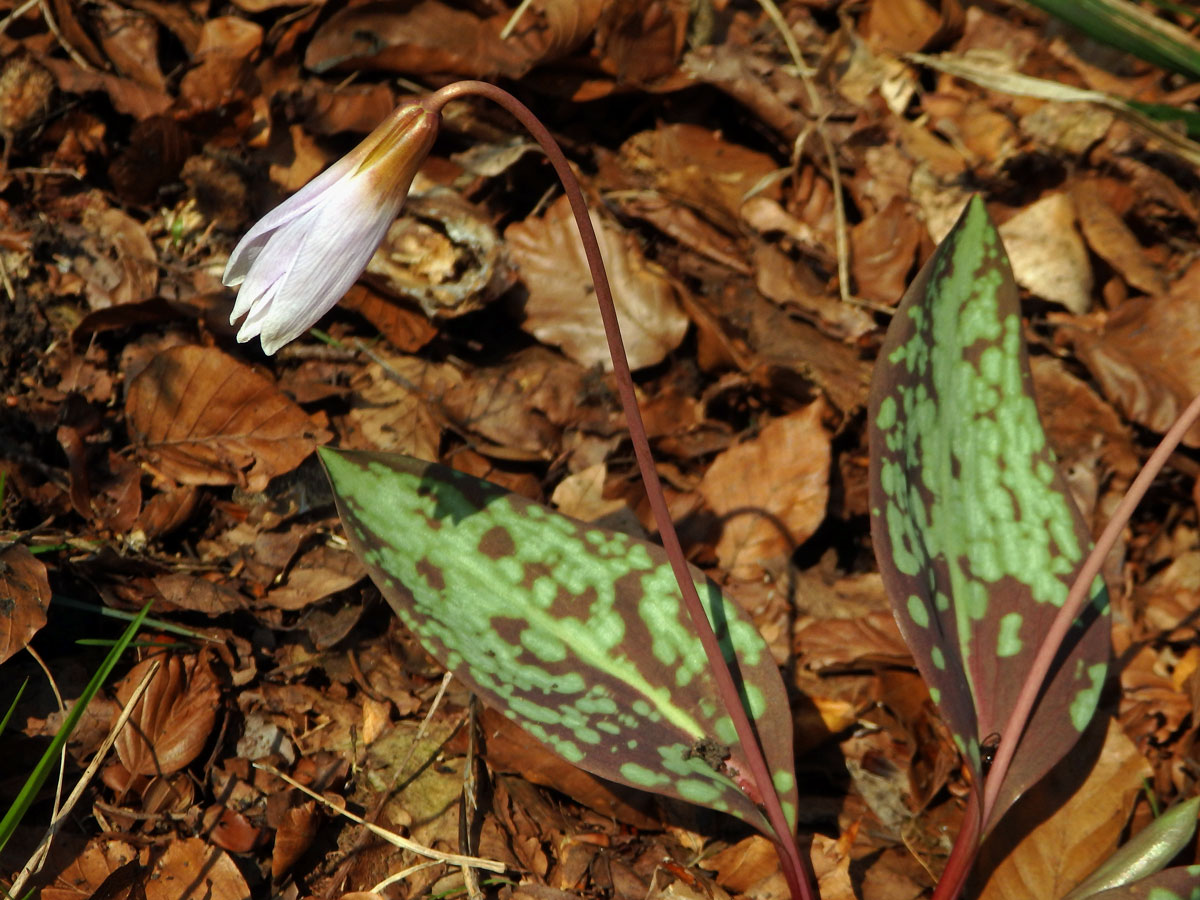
33,784
1127,27
12,706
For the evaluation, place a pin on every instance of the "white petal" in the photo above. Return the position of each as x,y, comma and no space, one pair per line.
247,251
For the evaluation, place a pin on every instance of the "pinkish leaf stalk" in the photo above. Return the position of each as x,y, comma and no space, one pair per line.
297,262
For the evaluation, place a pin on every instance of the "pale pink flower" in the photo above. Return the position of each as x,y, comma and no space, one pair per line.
299,259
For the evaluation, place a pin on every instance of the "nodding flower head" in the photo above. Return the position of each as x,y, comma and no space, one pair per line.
298,260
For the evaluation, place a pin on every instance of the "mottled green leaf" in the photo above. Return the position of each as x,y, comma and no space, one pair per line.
576,633
976,536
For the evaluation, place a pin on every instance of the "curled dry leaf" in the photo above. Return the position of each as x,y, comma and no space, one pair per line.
24,598
442,254
201,417
1114,241
174,718
227,47
561,306
770,492
318,573
420,38
701,169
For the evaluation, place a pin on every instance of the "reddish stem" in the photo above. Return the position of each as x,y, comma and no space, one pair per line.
795,865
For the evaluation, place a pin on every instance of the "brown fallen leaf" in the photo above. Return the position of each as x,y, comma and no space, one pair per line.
202,417
640,43
25,593
1081,834
421,38
883,250
444,255
1146,360
174,718
1048,256
521,407
900,26
770,492
193,869
293,836
319,572
228,45
1113,240
701,169
89,870
561,307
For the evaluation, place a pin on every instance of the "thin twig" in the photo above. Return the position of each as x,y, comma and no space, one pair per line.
392,838
17,13
62,41
43,847
507,30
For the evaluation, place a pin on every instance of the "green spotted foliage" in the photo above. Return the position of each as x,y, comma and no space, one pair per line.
977,538
576,633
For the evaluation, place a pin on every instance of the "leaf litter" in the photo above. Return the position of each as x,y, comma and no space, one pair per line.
148,456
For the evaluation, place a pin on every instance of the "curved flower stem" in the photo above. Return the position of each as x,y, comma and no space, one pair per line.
1076,598
795,865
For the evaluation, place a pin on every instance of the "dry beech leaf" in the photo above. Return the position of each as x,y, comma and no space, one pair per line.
202,417
1114,242
421,38
701,169
1081,834
318,573
520,407
293,836
1047,254
640,45
394,405
173,719
193,869
89,870
1146,361
227,47
198,594
561,306
883,249
770,492
24,598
